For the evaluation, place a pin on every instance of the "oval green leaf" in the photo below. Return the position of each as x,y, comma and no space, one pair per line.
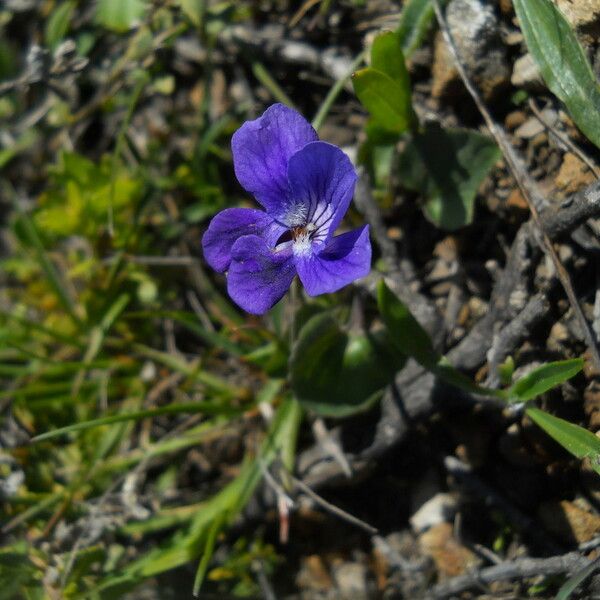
120,15
388,102
447,166
336,373
387,57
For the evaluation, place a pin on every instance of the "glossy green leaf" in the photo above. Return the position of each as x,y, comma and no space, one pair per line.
544,378
415,21
337,373
562,62
388,101
447,166
578,441
387,57
120,15
58,23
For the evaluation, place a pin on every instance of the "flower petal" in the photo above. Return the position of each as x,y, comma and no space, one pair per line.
261,151
258,275
347,257
231,224
322,181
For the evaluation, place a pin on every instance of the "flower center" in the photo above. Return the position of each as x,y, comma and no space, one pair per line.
301,237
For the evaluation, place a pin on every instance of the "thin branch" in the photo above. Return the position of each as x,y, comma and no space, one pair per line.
522,568
335,510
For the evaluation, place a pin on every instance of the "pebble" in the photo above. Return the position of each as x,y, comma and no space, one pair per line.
526,74
514,119
313,574
441,508
475,29
573,174
516,200
529,129
351,580
450,557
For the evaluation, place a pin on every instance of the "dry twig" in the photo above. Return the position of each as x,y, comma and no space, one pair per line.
521,568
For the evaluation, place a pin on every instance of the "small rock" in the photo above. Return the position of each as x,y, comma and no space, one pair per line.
475,30
450,557
516,200
313,574
439,509
529,129
526,74
569,522
447,249
514,119
573,174
558,336
351,580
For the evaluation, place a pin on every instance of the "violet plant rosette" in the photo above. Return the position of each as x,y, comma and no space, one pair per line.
305,186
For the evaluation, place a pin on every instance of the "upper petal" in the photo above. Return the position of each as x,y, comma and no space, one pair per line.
231,224
322,181
261,151
259,276
347,257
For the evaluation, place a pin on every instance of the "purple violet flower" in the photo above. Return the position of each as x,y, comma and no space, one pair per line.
305,187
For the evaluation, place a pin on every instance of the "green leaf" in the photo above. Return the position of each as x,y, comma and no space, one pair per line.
194,10
405,331
415,21
447,166
388,101
387,57
578,441
544,378
337,373
562,62
55,280
210,408
120,15
58,23
226,505
209,549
